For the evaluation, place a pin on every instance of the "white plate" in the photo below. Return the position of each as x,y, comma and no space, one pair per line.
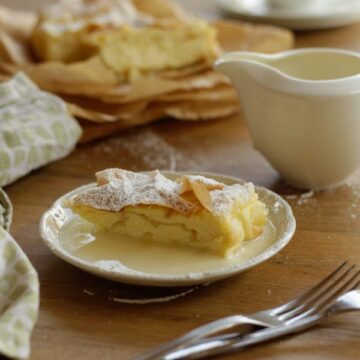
158,265
306,15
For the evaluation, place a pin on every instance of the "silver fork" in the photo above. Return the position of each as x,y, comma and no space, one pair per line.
338,282
225,344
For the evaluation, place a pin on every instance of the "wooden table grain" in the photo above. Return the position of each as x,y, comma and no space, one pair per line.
80,317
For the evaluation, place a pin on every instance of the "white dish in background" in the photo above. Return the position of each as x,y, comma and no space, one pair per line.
156,264
296,15
309,101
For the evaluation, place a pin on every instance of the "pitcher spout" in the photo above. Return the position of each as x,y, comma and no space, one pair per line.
236,57
247,66
310,71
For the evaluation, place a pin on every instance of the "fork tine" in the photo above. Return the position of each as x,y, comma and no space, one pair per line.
292,304
348,286
329,298
316,296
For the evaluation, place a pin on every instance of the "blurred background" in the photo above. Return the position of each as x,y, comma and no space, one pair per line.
196,6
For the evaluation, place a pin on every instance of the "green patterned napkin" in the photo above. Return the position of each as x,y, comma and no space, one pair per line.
35,128
19,291
6,211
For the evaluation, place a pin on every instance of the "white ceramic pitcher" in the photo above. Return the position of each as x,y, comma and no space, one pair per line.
303,111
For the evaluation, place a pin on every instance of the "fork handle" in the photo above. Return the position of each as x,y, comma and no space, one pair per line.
229,343
201,333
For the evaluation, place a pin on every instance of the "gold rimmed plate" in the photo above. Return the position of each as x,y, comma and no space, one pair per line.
121,259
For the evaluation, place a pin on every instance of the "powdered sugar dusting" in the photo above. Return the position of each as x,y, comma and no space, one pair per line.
204,180
209,183
90,14
222,200
118,188
146,150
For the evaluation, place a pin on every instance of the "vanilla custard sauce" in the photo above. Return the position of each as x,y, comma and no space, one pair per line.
115,251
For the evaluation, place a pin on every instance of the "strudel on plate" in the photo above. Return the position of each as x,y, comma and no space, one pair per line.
192,210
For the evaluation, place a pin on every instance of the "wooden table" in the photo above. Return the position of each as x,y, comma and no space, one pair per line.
76,325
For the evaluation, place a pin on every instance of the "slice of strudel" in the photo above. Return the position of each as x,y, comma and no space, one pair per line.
193,210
